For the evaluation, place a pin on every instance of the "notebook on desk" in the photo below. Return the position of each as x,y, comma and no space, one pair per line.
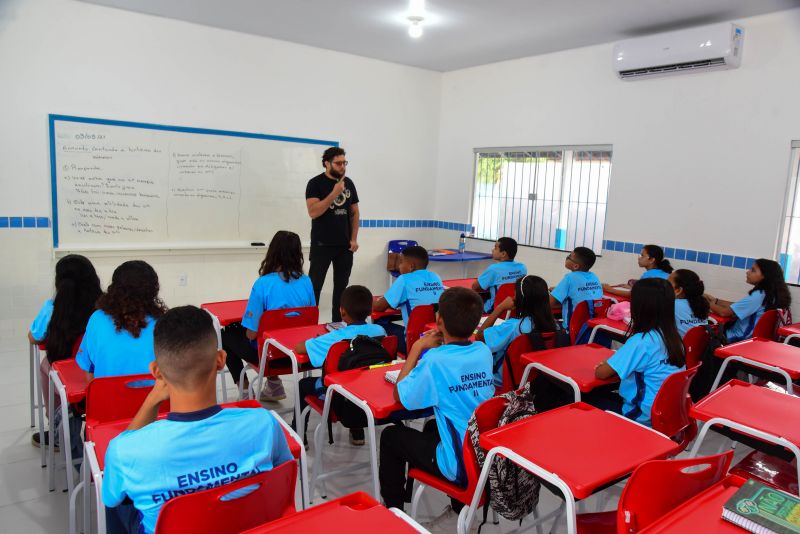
391,376
763,510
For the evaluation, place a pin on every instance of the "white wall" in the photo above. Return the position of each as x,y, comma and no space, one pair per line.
63,56
700,160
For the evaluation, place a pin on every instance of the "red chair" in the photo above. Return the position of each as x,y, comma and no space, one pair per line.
503,292
767,325
417,319
521,345
695,343
487,415
113,398
655,489
670,411
217,510
276,363
581,314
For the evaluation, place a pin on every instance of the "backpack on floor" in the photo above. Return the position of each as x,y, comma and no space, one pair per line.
362,352
511,491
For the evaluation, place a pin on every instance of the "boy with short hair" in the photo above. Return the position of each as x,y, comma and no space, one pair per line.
355,306
578,284
505,271
415,286
154,461
453,378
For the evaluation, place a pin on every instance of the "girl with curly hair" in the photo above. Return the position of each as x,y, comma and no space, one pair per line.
119,335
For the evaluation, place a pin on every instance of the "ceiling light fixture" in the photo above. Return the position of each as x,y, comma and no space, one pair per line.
416,14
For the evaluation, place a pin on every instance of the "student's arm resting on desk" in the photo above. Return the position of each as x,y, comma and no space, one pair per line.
431,339
560,292
500,309
719,306
617,289
604,371
300,348
380,305
317,207
149,410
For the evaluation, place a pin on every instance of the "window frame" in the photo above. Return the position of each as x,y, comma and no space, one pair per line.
790,196
542,148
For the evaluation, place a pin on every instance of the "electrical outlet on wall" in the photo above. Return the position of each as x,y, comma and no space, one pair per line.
182,279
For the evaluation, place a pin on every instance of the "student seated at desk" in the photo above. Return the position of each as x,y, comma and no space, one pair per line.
691,307
119,335
651,259
578,284
505,271
532,302
648,357
281,284
769,292
453,378
199,445
415,286
62,320
355,306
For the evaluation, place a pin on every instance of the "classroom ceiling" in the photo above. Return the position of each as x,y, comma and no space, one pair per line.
457,33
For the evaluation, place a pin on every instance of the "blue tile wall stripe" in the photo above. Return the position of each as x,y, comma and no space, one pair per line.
24,221
697,256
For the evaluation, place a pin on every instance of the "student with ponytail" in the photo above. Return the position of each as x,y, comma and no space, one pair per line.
62,319
655,265
691,307
651,354
532,302
769,292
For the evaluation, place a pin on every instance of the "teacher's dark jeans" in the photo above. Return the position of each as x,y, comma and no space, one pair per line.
321,257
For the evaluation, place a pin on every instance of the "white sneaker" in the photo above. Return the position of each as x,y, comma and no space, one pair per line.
273,391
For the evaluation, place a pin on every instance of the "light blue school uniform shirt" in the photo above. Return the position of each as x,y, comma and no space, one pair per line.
655,273
497,274
42,321
414,289
748,310
574,288
105,351
189,452
642,366
499,337
317,347
685,319
452,379
272,292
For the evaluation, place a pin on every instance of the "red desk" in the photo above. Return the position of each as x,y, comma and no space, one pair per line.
573,365
702,513
369,390
764,354
718,319
389,312
789,332
228,312
756,411
459,282
617,298
357,512
585,450
612,326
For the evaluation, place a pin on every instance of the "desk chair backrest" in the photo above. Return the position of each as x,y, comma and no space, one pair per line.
487,415
221,511
285,318
417,319
659,486
581,314
767,325
331,363
519,346
670,411
113,398
503,292
397,245
76,345
695,343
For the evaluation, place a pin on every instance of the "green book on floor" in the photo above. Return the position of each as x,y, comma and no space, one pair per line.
763,510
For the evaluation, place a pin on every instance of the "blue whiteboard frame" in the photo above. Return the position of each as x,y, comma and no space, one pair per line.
148,126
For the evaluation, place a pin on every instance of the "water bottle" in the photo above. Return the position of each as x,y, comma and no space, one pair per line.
462,244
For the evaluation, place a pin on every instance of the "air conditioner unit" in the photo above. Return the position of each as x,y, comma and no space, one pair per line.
714,47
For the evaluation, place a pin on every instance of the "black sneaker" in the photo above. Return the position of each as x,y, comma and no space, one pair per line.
357,436
35,440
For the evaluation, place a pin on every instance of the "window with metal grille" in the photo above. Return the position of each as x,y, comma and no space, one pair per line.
549,197
789,242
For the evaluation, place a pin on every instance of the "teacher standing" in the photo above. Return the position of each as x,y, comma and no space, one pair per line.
332,204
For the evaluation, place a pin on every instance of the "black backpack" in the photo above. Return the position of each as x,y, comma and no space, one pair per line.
704,379
362,352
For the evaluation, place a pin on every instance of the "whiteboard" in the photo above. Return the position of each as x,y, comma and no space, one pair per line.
128,185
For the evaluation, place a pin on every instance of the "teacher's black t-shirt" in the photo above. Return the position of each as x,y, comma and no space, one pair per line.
333,226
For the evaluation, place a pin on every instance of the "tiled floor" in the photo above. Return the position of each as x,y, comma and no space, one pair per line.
27,506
